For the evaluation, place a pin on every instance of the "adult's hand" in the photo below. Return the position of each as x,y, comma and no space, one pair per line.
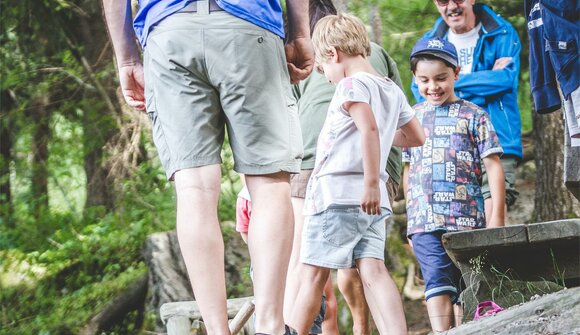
299,58
501,63
132,85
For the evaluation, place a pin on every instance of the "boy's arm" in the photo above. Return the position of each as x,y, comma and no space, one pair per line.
497,188
410,135
364,120
406,188
405,179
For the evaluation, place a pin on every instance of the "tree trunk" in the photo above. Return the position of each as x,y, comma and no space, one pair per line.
376,28
97,119
41,136
552,199
6,104
341,5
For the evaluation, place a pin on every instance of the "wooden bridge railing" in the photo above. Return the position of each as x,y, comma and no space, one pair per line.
179,316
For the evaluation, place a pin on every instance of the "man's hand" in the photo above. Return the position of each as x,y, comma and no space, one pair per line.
501,63
132,85
371,200
299,58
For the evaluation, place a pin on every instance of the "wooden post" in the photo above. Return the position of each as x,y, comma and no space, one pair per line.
242,317
178,316
178,325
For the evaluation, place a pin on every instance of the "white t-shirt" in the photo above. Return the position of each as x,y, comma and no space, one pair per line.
465,44
337,178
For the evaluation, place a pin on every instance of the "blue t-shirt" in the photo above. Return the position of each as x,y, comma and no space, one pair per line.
444,192
263,13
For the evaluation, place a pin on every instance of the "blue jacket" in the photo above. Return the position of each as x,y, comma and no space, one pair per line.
494,91
558,23
543,82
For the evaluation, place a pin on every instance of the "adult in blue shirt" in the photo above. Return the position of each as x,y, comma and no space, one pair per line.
489,54
208,65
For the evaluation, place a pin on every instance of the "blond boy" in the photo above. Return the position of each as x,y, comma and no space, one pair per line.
346,201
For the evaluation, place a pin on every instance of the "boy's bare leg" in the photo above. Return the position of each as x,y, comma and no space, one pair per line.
330,323
293,277
270,243
440,311
307,304
382,296
201,242
351,287
458,313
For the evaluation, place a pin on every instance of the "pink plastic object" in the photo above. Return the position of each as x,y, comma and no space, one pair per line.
486,308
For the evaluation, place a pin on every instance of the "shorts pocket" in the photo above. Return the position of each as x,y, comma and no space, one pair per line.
339,226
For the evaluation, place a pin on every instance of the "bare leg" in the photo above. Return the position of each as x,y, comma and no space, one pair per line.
201,242
294,277
330,323
351,287
382,296
440,311
458,313
270,243
307,304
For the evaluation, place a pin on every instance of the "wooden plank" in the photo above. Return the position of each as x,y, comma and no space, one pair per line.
178,325
554,230
190,309
484,238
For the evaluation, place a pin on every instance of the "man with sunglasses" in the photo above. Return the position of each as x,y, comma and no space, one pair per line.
488,48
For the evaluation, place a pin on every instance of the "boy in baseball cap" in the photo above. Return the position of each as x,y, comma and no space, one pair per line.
442,176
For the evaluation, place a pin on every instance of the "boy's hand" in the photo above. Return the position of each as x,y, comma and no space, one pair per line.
371,200
496,222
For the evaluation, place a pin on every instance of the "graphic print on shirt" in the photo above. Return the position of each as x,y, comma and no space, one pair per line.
444,174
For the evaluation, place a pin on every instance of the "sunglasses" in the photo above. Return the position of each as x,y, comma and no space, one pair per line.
444,3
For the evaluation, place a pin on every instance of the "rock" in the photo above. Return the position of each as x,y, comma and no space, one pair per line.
556,313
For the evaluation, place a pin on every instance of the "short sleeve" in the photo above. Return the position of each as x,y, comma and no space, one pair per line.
352,89
407,112
485,136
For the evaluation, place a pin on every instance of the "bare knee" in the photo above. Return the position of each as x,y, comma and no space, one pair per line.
198,183
371,270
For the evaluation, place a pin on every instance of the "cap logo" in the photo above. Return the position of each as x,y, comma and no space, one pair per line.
435,44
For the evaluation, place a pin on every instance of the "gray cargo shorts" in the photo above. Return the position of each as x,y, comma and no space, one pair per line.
205,72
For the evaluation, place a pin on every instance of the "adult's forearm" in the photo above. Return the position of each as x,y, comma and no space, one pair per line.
298,19
119,21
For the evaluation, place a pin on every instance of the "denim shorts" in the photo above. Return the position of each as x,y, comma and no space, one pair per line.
338,236
441,276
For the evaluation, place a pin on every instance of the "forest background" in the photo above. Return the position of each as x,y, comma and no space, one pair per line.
81,187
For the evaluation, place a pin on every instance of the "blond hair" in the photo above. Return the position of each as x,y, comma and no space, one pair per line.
345,32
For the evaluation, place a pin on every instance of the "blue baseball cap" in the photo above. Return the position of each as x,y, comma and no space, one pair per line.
436,47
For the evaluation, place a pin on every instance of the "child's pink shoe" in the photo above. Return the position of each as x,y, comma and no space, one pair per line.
486,308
